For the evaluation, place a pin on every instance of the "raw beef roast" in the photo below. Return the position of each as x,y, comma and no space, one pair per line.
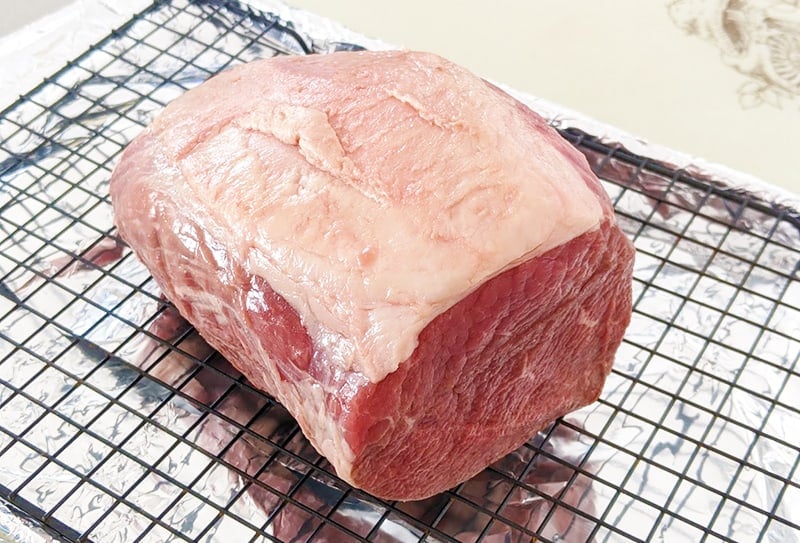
411,261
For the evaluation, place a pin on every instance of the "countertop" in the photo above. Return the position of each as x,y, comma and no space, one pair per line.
692,75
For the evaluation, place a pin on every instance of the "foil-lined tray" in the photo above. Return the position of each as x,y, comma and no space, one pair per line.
118,423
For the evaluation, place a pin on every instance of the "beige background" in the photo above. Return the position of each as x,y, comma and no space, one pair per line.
623,62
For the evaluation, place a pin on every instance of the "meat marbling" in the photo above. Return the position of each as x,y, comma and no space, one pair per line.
410,260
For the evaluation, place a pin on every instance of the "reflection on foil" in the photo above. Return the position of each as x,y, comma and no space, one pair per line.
16,527
118,423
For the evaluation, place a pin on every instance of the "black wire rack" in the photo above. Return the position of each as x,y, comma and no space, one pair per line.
113,429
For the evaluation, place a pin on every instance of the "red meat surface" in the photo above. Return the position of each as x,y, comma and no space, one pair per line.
418,322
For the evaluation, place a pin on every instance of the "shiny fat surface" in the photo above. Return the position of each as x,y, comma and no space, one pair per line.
372,192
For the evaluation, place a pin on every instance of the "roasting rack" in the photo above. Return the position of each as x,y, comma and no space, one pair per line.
111,430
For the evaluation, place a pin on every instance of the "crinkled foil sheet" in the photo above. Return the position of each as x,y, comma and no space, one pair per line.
117,423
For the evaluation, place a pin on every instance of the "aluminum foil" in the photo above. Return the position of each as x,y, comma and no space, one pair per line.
118,423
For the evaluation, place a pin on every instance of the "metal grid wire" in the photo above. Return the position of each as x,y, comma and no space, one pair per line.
113,430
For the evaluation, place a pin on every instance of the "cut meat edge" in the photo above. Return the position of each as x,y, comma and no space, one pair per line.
473,391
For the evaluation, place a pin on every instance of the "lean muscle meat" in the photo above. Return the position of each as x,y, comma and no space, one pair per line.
411,261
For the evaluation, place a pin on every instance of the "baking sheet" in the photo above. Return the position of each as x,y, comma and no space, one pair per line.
117,423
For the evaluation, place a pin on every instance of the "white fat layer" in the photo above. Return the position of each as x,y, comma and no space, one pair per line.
373,219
